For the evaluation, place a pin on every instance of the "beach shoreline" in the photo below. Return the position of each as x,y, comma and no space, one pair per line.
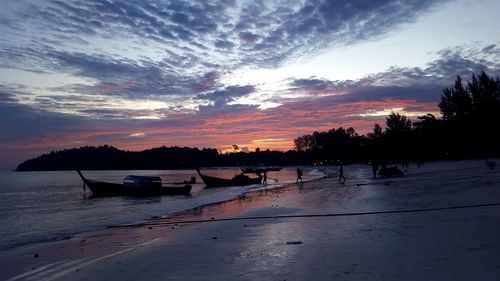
271,235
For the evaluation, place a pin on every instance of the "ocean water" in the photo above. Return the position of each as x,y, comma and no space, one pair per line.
47,206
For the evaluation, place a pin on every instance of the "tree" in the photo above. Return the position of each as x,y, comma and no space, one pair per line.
456,103
485,92
396,137
397,124
303,143
377,132
472,116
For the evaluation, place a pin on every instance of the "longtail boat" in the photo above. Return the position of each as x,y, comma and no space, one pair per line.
134,186
390,172
238,180
256,170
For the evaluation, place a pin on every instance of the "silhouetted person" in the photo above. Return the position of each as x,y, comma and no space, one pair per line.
341,173
374,167
264,181
299,175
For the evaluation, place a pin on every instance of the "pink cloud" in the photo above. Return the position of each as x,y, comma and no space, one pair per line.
111,87
221,130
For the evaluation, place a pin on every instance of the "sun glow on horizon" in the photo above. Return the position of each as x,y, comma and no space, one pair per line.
388,111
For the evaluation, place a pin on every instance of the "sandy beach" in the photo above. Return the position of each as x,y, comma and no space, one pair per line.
441,221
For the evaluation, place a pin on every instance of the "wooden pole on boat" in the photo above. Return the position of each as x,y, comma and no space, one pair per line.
83,179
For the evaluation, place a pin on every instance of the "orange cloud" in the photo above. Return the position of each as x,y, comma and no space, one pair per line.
272,129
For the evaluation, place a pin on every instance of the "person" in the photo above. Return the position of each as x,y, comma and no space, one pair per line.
299,175
264,181
241,177
341,173
374,168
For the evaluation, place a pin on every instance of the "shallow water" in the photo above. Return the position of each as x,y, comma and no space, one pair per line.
46,206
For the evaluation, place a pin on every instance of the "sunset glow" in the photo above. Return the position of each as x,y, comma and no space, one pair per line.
218,73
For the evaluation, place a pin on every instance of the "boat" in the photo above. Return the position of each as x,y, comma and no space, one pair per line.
390,172
257,170
134,186
490,164
238,180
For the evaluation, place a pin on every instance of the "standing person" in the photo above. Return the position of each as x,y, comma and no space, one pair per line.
299,176
341,173
374,168
264,181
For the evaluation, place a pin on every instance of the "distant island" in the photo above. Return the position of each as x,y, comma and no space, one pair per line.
469,128
110,158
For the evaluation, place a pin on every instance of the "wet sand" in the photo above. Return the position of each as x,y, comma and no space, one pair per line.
320,230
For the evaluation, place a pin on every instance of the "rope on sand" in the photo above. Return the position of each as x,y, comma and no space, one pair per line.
311,215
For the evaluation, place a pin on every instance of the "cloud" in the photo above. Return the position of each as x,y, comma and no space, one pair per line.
167,60
175,51
420,84
27,126
465,60
237,33
35,131
23,122
220,100
313,84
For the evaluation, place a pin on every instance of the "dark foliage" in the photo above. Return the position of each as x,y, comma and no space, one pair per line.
109,158
470,128
336,144
471,117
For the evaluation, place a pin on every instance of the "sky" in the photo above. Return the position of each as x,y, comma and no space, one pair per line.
142,74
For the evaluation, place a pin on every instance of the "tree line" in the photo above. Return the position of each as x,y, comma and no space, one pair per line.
161,158
468,128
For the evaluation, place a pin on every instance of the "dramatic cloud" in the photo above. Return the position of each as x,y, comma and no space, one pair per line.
138,74
419,84
113,41
220,100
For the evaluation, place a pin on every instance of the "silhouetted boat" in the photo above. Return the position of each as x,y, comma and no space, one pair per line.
491,164
238,180
390,172
134,186
256,170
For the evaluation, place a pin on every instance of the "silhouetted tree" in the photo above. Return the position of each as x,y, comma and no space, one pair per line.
397,124
485,92
377,132
303,143
476,106
375,144
456,103
396,137
335,144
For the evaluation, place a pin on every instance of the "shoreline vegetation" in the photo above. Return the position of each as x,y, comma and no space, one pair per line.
468,129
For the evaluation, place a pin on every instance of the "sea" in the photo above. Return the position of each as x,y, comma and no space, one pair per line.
37,207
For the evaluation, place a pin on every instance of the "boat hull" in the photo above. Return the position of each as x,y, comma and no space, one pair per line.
390,172
212,182
104,189
256,170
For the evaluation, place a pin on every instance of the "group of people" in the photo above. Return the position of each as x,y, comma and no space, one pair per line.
341,178
341,174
